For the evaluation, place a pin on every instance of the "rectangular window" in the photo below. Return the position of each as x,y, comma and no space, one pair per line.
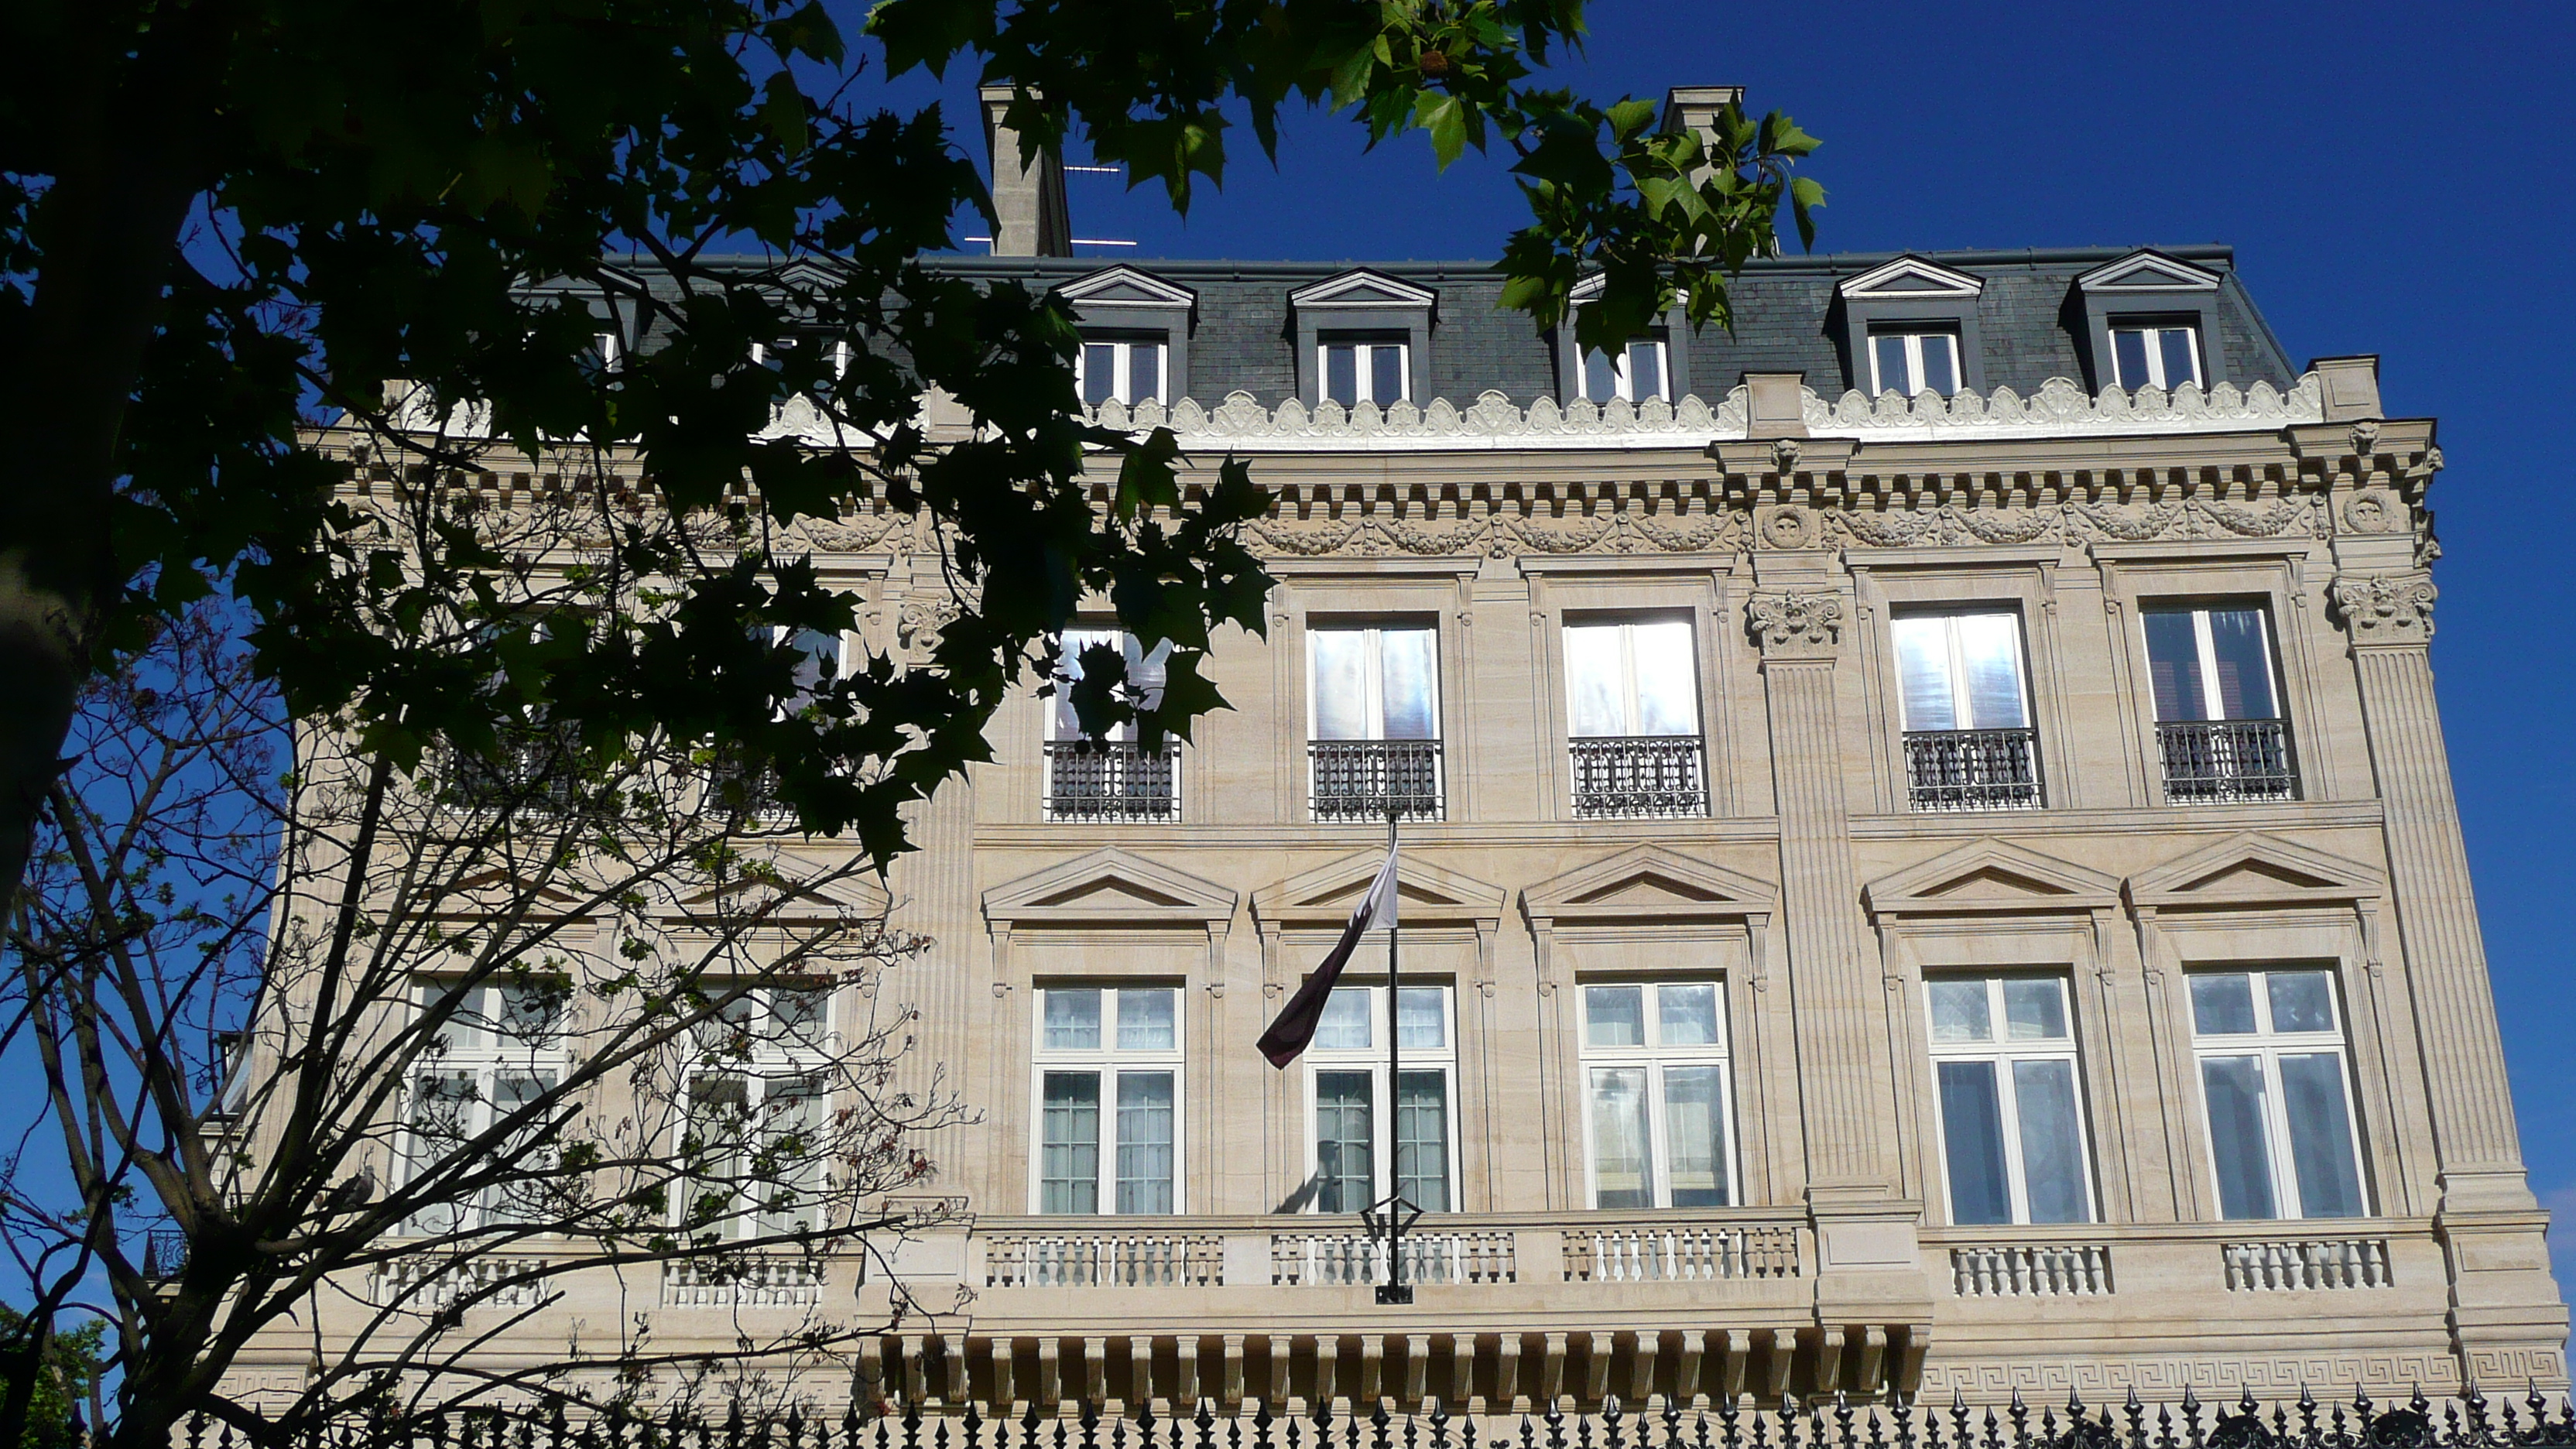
1968,740
1145,674
1108,1062
1660,1117
753,1139
1631,679
2012,1109
1908,361
1365,369
1636,373
1127,370
501,1049
1360,1157
2219,728
2155,354
1373,722
2283,1142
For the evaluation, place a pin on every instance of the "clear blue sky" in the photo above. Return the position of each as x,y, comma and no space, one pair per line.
2395,180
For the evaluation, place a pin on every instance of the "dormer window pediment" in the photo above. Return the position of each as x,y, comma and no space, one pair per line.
1363,336
2148,271
1363,288
2151,320
1912,278
1136,335
1126,287
1910,326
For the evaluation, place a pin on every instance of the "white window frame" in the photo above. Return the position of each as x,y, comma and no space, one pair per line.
1362,371
2212,697
2154,331
1631,710
1122,386
781,1057
1654,1056
1107,1063
1372,1059
1962,699
1623,372
1373,685
468,1050
1913,383
2268,1047
2002,1051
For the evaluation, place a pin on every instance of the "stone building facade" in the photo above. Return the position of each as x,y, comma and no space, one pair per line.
1928,861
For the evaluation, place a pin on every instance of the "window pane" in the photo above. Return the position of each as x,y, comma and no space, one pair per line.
2244,674
1595,700
2035,1009
1386,373
1940,363
1893,375
2312,1097
2301,1000
1144,1142
1923,672
1412,711
1990,652
2239,1146
2222,1004
530,1015
1068,723
1146,1019
1341,374
2129,349
2182,356
1420,1024
2173,661
1099,372
1072,1020
1345,1024
1069,1143
1341,683
1422,1140
1344,1167
1614,1016
1619,1143
1600,380
791,1116
1687,1014
1645,370
1695,1136
1959,1011
1667,678
1972,1131
796,1016
2052,1145
1144,371
442,1118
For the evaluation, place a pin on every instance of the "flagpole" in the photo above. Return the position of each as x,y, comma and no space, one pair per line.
1395,1289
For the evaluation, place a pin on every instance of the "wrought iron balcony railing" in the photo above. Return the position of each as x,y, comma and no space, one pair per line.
1638,775
1971,770
536,769
2224,761
1112,780
1365,779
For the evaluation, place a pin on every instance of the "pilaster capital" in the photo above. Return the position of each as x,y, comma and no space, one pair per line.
1793,624
2386,608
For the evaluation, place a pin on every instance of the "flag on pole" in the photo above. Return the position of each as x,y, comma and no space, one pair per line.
1294,1028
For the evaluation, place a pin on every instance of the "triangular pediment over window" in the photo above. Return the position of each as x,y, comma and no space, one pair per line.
1992,876
2148,271
1126,287
838,895
1912,278
503,891
1643,883
1363,288
1326,895
1110,887
2254,869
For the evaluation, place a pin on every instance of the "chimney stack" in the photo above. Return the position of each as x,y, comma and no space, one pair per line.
1028,191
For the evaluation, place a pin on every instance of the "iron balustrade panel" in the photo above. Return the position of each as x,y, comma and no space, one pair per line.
1365,779
1638,775
1957,770
1112,780
2222,761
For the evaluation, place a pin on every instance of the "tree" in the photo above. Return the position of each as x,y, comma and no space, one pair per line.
509,1027
219,217
61,1384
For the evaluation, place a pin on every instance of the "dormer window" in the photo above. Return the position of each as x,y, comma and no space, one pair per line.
1359,369
1638,372
1122,369
1910,327
1908,360
2158,352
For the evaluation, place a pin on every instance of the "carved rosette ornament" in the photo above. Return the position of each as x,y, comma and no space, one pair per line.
1793,625
2387,608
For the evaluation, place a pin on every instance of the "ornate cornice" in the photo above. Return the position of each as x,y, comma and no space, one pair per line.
2387,608
1794,624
